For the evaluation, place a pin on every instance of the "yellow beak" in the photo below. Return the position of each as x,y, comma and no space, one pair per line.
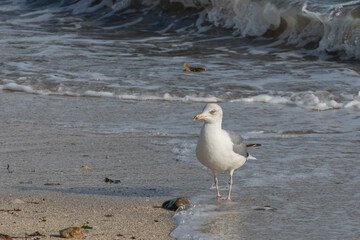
198,117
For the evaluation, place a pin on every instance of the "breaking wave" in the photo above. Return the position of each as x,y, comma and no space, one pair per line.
328,30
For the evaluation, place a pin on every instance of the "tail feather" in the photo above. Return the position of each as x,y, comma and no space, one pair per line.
253,145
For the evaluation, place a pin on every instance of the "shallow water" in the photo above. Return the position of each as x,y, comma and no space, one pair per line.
307,170
294,89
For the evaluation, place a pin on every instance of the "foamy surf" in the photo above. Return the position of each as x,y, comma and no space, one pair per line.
313,101
308,100
327,30
189,221
14,87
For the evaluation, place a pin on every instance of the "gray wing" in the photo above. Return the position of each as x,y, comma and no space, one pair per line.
239,144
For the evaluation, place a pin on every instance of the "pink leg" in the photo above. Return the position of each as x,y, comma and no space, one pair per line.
216,185
230,185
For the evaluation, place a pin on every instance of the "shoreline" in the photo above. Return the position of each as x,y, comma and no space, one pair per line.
46,140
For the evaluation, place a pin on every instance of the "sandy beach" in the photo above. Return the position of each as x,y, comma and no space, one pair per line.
42,156
109,217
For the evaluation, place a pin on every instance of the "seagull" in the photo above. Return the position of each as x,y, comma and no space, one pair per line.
217,149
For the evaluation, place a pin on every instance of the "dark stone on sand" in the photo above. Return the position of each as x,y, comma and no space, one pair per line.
108,180
72,232
35,234
5,237
265,208
174,204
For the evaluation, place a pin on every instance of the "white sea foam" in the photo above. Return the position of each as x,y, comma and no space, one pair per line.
328,28
17,87
333,28
188,220
91,93
308,100
263,98
355,104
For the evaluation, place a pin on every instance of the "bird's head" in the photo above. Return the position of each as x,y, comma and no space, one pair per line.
212,113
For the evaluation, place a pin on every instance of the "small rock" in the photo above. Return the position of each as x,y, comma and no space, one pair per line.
265,208
175,203
85,167
108,180
52,184
35,234
5,237
17,201
72,232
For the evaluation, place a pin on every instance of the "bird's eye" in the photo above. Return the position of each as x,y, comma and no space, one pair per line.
212,111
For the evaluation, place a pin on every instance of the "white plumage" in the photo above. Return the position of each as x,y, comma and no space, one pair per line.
217,149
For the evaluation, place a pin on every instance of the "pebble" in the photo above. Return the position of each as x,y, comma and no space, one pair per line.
85,167
108,180
5,237
265,208
72,232
174,204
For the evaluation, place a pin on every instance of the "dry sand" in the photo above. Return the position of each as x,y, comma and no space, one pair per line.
110,217
47,139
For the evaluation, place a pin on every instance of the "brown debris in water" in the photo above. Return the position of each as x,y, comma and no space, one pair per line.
193,69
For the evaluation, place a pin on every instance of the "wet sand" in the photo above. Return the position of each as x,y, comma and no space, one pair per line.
45,141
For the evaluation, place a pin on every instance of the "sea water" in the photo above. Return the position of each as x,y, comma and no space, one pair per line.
286,73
